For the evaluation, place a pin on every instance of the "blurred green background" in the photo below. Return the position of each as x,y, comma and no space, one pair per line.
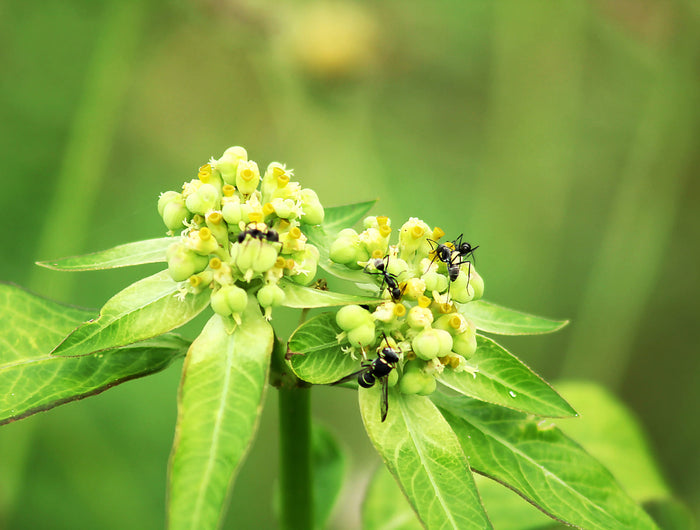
559,136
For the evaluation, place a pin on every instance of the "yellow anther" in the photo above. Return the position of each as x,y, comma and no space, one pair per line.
377,254
410,355
282,179
255,217
215,263
247,174
228,190
424,301
450,245
280,263
417,231
295,233
290,263
455,321
198,219
454,361
384,230
445,307
382,220
268,209
214,218
283,224
399,310
204,233
195,280
437,233
204,173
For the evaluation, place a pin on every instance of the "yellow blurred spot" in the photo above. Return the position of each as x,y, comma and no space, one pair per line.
204,233
214,218
455,322
195,281
282,180
445,307
280,263
384,230
399,310
228,190
382,220
377,254
437,233
417,231
215,263
255,217
295,233
268,209
290,263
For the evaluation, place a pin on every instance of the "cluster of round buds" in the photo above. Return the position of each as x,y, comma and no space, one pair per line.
420,280
240,231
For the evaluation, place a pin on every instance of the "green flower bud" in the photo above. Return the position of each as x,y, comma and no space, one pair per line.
183,262
276,176
247,177
271,295
312,208
227,165
236,297
429,386
465,343
219,229
231,211
362,335
459,291
344,250
413,381
307,264
284,208
175,213
453,323
435,281
166,198
397,267
431,343
352,316
419,317
370,222
206,198
219,303
267,255
476,283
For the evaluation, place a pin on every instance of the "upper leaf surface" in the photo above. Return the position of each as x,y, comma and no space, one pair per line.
31,380
385,507
316,355
338,217
537,460
503,379
493,318
136,253
145,309
609,432
422,452
218,411
303,297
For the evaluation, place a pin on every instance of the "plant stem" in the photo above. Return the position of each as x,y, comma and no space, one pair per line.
295,458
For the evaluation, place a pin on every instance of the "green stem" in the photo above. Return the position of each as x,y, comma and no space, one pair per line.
295,458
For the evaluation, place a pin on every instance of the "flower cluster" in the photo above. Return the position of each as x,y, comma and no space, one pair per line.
240,232
421,279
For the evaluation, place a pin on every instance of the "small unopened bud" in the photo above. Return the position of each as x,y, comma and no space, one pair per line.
419,317
362,335
311,206
227,165
431,343
271,295
204,199
175,213
352,316
183,262
247,177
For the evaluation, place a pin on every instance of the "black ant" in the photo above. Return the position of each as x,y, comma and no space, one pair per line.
462,250
441,252
378,368
392,282
270,235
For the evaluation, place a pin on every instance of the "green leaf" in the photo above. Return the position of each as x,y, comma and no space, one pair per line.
302,297
385,506
337,218
501,378
329,464
136,253
219,407
508,510
31,380
422,452
538,461
316,355
145,309
609,432
493,318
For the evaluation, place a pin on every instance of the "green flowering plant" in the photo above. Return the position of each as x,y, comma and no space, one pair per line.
438,398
